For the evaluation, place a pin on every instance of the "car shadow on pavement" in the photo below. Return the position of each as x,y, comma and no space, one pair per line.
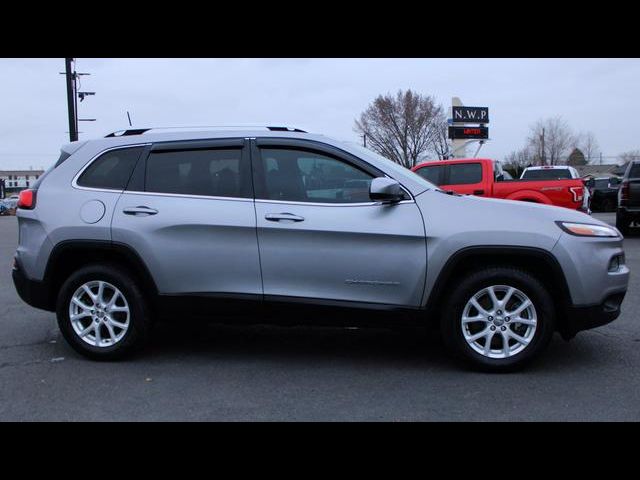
412,348
420,347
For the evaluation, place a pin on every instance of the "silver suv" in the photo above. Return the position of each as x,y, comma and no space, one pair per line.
275,225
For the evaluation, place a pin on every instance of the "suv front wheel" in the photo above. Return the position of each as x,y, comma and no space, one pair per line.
102,313
498,319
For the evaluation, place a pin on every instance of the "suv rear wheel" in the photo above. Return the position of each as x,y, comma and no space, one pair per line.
102,313
498,319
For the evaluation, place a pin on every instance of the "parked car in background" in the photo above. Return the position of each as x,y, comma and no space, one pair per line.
603,193
628,210
276,225
484,177
8,206
556,172
11,202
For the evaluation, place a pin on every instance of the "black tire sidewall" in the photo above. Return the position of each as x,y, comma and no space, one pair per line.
139,325
523,281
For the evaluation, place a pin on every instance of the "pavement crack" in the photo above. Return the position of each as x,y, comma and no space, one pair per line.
22,364
32,344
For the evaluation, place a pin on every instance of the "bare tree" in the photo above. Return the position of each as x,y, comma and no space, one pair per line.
402,128
628,156
588,145
441,145
551,140
517,161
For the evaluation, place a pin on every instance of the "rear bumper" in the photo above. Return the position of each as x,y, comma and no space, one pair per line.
30,291
630,211
585,318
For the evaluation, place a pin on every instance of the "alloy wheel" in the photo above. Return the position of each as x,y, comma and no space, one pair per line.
499,321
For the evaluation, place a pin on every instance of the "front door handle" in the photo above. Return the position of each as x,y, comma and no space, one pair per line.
278,217
478,192
139,211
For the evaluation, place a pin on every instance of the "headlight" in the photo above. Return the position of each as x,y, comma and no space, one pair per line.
588,230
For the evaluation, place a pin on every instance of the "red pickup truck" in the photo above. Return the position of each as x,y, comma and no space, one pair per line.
485,178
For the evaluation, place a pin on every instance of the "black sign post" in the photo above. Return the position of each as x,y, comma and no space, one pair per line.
459,132
470,115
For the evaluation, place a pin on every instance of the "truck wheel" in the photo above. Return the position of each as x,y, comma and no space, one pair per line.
102,313
498,319
622,222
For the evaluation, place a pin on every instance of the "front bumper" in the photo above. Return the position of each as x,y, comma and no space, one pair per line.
585,318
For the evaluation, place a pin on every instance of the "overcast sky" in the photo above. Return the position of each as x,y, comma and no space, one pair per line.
317,95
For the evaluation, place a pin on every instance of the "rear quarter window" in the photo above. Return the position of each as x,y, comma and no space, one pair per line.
634,172
111,170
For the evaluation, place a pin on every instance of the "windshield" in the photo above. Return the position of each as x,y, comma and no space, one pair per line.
547,174
393,166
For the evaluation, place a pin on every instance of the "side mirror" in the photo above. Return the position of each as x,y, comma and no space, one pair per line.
614,181
384,189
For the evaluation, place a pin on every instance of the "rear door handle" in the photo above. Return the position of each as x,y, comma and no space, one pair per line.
278,217
139,211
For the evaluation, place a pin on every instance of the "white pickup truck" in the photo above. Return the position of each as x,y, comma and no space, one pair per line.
557,172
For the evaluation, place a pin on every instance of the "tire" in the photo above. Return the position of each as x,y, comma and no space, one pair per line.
622,222
122,327
540,317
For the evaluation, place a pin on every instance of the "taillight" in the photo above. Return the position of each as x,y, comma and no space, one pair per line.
27,199
624,190
577,193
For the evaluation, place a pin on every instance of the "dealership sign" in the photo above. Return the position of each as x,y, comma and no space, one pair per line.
470,115
460,132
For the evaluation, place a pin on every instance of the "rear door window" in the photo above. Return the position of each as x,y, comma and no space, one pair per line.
209,172
635,171
464,173
434,174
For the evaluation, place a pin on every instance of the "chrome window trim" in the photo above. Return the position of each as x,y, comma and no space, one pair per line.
346,204
188,195
321,204
74,182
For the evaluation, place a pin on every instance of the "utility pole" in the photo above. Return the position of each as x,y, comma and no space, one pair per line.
71,100
600,158
543,156
364,140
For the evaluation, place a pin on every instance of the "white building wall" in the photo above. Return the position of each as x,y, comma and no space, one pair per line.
20,180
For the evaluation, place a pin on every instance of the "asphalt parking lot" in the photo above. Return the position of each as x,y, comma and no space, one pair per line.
210,372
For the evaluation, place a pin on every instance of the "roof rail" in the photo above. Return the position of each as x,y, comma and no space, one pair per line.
141,131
